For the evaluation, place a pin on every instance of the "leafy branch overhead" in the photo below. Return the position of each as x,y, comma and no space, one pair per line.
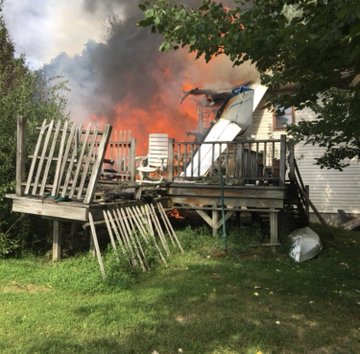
311,46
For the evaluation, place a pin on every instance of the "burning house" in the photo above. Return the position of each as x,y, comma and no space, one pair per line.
203,150
224,172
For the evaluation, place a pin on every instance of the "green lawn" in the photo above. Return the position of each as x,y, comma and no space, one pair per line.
251,301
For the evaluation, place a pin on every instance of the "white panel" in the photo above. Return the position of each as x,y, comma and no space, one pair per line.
239,109
223,130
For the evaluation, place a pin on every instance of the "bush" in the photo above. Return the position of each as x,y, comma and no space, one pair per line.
8,245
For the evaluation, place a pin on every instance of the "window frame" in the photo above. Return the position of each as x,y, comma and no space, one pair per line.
291,115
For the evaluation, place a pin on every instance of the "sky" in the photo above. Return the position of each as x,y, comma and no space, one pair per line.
42,29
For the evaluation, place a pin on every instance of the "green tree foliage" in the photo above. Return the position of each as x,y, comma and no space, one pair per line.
312,45
26,93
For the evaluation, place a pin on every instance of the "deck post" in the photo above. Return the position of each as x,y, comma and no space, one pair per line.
20,155
56,249
273,228
282,159
291,160
215,221
170,176
307,205
240,164
132,166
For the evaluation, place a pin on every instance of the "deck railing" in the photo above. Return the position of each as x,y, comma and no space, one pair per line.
119,163
241,162
66,161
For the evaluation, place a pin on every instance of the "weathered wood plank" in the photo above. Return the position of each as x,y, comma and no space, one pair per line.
225,218
56,247
70,143
50,158
35,156
59,160
167,221
117,229
282,159
20,155
158,229
97,248
70,171
274,227
170,176
131,247
42,157
80,160
89,154
109,229
135,241
56,210
215,222
97,165
230,202
131,162
351,224
205,217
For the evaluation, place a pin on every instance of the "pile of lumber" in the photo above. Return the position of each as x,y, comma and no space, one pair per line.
135,229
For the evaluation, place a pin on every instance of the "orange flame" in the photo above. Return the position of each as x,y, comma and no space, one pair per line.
176,214
164,113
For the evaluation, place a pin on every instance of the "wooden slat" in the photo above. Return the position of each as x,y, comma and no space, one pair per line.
108,226
139,220
136,244
282,171
80,160
131,163
169,227
351,224
38,207
50,158
87,161
56,247
158,228
42,156
69,144
111,217
97,165
34,160
125,237
96,244
59,161
20,155
70,167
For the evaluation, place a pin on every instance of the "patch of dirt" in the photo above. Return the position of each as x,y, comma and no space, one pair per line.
25,288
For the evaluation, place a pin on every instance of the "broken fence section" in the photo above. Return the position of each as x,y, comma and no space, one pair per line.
135,229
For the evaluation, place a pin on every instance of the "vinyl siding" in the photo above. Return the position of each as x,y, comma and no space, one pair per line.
330,190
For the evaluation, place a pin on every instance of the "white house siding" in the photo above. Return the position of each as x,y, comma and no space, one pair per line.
330,190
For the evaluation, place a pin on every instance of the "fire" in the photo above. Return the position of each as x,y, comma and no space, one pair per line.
158,118
160,111
176,214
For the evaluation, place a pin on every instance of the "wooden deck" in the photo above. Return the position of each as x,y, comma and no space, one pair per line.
234,196
71,167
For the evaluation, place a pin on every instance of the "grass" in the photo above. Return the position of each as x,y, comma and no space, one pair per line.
249,301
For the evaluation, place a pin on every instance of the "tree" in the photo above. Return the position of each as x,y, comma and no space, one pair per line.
22,92
312,45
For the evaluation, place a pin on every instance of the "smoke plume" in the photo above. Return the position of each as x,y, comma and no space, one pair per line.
121,77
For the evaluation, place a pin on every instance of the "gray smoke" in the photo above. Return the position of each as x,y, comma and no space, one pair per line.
129,68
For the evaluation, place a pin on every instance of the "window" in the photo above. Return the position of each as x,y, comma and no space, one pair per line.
281,121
